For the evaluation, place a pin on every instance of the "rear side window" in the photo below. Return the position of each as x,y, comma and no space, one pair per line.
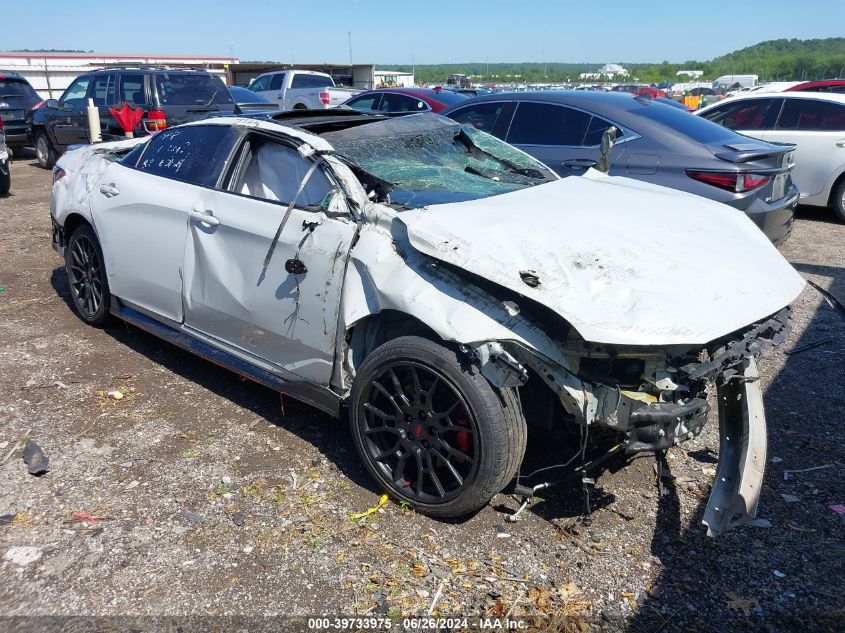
596,130
482,116
547,124
810,115
746,114
392,102
191,89
310,81
132,89
194,154
364,102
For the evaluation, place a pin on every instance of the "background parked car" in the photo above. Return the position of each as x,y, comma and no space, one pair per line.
301,90
814,121
247,101
405,100
827,85
656,143
5,175
641,90
17,99
167,97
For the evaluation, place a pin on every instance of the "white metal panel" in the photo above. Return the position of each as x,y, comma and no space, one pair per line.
625,262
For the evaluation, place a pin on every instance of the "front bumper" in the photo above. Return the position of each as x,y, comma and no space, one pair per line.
58,237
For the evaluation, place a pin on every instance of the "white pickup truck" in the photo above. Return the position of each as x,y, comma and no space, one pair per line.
301,89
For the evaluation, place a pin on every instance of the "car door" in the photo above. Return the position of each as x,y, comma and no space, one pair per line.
817,127
284,313
555,134
275,92
70,124
141,208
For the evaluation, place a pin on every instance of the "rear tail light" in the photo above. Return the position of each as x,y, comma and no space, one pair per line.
1,123
324,97
155,121
58,174
40,104
735,183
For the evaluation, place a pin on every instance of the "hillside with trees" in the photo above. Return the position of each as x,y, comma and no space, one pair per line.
774,60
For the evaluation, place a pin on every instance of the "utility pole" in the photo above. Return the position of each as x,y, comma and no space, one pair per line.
349,34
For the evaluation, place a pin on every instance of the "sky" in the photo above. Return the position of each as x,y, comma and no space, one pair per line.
425,32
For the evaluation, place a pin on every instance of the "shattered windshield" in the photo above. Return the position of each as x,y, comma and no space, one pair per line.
429,159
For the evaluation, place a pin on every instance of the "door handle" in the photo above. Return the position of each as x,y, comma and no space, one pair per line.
840,143
579,163
206,217
109,191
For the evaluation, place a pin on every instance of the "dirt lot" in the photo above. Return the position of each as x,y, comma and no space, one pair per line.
197,493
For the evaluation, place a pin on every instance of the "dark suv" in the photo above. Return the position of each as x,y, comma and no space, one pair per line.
17,99
167,97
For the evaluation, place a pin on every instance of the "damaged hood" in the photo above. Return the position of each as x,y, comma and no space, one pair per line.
624,262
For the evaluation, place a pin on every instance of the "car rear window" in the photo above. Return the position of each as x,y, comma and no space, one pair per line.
695,127
191,89
450,98
311,81
15,88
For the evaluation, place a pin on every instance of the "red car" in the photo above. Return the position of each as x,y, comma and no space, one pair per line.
641,90
827,85
404,100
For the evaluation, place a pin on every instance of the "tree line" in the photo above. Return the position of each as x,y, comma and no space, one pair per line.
774,60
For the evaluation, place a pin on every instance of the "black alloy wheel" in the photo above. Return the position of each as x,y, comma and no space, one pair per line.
431,430
418,431
87,276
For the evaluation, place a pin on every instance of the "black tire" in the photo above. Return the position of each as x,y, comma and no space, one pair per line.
5,178
86,273
425,433
300,106
839,201
44,150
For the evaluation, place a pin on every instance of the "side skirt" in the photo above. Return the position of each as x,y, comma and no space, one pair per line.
279,380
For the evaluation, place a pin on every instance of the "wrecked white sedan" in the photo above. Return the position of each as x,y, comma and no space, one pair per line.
439,283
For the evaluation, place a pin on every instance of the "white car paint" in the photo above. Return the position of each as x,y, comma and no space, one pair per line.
819,156
605,252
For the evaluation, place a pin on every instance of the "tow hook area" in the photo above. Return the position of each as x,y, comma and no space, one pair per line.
658,426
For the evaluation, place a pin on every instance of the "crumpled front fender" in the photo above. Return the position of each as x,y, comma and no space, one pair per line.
742,452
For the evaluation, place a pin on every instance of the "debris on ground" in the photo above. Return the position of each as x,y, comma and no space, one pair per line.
23,555
34,458
361,515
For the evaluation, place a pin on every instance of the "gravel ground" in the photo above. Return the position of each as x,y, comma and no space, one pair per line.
201,494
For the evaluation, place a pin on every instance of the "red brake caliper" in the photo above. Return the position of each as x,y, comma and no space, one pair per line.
463,436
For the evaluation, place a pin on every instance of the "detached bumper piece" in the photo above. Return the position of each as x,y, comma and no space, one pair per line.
728,358
742,452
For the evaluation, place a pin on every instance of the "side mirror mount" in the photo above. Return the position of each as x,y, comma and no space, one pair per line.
607,141
52,103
